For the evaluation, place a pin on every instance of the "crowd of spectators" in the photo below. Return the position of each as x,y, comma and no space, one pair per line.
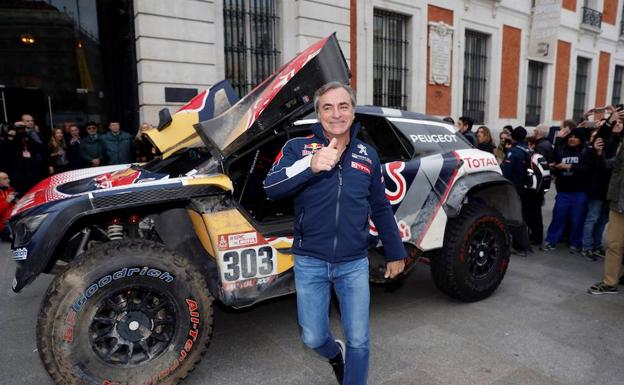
29,154
586,159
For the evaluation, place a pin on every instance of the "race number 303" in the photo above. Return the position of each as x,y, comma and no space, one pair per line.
253,262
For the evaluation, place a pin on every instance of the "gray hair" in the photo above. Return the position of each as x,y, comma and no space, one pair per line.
332,86
541,128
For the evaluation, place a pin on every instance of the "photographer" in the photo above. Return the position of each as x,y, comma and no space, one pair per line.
612,130
8,197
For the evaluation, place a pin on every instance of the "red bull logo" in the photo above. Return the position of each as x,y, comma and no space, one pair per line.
118,178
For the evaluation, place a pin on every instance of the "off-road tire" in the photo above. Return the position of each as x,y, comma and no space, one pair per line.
156,303
459,269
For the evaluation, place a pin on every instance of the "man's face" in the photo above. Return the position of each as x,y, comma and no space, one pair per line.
28,121
114,127
573,141
4,180
74,131
91,130
336,112
461,126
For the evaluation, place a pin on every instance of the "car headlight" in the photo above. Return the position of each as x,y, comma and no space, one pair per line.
25,228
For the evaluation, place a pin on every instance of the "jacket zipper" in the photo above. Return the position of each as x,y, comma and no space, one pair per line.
301,228
338,207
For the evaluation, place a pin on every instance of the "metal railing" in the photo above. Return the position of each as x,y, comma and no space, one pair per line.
535,85
592,18
251,51
389,59
475,76
622,27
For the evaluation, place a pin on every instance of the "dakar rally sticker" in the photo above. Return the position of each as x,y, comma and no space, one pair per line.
232,241
361,167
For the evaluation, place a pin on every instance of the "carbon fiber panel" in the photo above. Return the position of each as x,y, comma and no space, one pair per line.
132,198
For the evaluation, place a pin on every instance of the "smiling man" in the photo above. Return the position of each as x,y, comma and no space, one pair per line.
337,183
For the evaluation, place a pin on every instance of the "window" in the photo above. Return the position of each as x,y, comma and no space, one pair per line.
250,31
475,76
389,59
580,90
535,84
616,97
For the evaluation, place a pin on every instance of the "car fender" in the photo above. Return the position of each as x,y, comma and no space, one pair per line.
489,188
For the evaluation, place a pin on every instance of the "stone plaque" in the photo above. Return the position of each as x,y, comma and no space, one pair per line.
440,46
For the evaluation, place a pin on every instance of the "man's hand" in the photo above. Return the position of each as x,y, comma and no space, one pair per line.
326,158
394,268
599,146
95,162
563,132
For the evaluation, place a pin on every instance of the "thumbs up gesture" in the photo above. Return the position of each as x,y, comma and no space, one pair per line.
326,158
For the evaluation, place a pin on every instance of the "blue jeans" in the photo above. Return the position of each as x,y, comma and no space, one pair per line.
595,222
572,205
313,280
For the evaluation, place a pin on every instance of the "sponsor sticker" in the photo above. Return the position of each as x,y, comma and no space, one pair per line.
434,138
362,149
20,254
232,241
311,148
360,157
361,167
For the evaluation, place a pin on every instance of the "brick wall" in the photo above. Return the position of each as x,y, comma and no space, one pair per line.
561,80
569,5
439,96
510,72
609,11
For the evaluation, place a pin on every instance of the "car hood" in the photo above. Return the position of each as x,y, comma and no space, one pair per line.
68,184
285,96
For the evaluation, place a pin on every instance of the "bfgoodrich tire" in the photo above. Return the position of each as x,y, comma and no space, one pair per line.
127,312
475,256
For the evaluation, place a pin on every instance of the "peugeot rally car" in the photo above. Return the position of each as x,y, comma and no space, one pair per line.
140,252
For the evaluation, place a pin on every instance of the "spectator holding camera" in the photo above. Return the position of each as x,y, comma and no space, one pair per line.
615,197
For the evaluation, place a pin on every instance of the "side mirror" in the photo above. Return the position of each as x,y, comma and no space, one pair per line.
164,119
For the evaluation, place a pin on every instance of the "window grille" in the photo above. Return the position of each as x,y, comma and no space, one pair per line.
250,32
618,76
535,84
475,76
389,59
592,17
580,90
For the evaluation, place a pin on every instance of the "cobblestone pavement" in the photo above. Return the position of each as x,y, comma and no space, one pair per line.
539,327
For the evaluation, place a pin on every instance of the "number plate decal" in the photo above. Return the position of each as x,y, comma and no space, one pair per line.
245,256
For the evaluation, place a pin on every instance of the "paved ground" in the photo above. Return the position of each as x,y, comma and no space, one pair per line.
539,328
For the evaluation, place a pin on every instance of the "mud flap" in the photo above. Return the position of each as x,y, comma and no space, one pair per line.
520,237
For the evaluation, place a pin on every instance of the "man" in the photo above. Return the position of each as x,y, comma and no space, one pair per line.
117,144
91,148
31,129
74,158
464,123
514,168
7,202
572,168
337,182
542,145
615,228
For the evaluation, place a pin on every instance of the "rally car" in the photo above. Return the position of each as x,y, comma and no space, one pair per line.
140,252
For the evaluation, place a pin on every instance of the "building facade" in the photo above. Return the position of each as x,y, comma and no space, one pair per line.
497,61
187,45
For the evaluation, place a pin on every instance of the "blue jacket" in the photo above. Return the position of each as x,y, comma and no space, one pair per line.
332,208
515,165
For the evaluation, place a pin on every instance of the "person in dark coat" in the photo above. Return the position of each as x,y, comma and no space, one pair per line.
464,124
29,162
572,169
543,146
74,158
91,148
117,144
